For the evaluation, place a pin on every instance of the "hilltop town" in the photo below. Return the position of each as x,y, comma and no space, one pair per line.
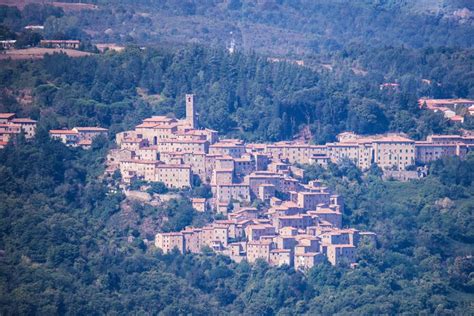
298,224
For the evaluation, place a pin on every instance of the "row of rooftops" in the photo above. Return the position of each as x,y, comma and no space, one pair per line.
449,107
431,103
78,130
344,141
267,236
157,163
10,117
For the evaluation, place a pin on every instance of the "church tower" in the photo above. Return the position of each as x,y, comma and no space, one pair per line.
190,111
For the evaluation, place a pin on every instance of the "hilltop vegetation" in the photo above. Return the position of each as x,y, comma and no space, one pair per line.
349,49
242,95
60,254
282,27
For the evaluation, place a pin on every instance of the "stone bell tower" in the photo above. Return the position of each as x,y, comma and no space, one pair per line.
190,111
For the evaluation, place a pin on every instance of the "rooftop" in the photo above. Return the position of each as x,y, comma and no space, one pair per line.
6,115
90,129
23,120
63,132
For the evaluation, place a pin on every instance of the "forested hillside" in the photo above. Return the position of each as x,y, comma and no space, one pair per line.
71,243
60,255
280,27
241,95
295,28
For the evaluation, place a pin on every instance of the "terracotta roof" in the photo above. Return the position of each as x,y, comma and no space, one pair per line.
164,166
190,141
325,211
132,140
141,161
393,138
171,234
445,136
90,129
10,125
226,145
85,142
63,131
159,118
170,126
6,115
23,120
430,144
280,250
223,170
260,242
457,118
308,254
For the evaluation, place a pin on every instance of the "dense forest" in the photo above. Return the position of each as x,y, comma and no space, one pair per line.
274,27
61,255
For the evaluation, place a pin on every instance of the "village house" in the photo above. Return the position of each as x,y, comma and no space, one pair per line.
78,136
68,137
11,126
7,44
169,241
199,204
71,44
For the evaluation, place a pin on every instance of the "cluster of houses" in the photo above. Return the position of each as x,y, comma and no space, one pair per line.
78,136
301,224
175,152
453,109
299,229
11,126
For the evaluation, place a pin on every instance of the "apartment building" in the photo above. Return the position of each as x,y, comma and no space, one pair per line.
328,214
145,169
394,152
426,152
27,125
173,176
259,249
256,231
341,254
343,150
156,132
175,145
299,221
230,147
234,191
169,241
